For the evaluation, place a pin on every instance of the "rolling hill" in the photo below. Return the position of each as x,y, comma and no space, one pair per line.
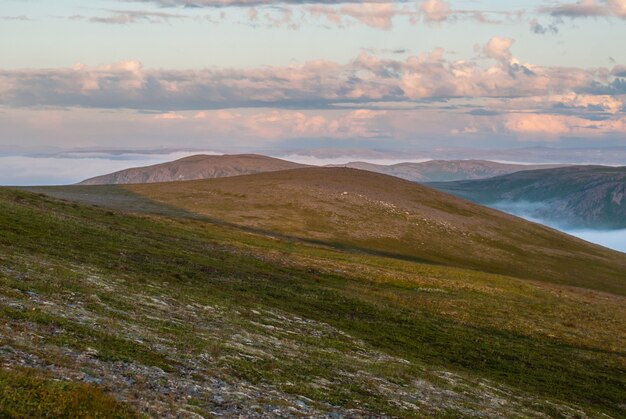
446,170
379,214
323,292
195,167
571,197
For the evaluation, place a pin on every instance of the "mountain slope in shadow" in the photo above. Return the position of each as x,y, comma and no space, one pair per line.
446,170
572,197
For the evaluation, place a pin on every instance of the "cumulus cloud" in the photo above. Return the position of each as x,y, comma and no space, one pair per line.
435,10
367,97
315,84
499,48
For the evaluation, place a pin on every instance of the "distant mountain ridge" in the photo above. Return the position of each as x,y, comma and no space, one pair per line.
195,167
574,197
446,170
203,166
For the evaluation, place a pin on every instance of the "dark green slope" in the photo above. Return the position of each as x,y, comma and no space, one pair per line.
580,196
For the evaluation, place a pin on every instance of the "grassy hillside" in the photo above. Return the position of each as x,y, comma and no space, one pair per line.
380,214
572,197
169,312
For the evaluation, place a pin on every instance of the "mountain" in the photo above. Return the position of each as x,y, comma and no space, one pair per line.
315,292
445,170
195,167
572,197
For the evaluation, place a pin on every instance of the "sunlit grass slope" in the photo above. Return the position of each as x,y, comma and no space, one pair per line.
387,215
170,313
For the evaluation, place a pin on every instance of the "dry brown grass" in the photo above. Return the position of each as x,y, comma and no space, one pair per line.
385,215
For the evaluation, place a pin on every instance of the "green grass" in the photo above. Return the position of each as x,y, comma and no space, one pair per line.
25,393
377,300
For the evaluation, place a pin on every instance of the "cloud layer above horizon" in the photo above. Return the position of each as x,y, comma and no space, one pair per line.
290,72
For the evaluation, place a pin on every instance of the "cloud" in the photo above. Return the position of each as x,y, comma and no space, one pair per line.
168,116
195,4
368,97
613,239
435,10
600,103
125,17
257,129
539,125
69,168
618,7
545,126
17,18
483,112
285,124
376,15
499,48
588,8
541,29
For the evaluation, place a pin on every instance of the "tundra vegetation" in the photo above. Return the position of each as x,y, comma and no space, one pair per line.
228,297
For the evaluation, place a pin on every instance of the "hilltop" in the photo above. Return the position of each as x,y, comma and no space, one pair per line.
200,166
446,170
578,196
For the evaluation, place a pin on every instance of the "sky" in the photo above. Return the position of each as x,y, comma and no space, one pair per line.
236,75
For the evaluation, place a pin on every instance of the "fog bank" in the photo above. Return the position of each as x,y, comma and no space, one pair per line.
70,168
613,239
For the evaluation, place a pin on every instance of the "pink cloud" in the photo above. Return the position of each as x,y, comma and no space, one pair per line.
500,83
278,124
545,126
169,116
376,15
618,7
539,125
499,48
435,10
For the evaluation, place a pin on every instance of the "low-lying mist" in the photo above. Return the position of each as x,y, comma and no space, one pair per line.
613,239
69,168
532,211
